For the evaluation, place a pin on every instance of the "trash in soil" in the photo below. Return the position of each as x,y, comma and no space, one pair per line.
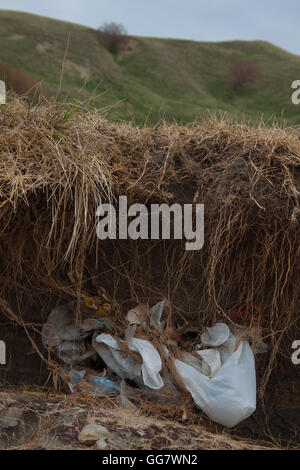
138,315
129,368
123,399
66,335
219,373
225,390
97,385
141,314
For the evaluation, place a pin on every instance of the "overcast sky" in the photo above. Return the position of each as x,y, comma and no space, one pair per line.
277,21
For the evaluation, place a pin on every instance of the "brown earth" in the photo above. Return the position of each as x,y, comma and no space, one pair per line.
35,421
16,80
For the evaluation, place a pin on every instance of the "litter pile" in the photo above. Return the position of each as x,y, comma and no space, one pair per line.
219,374
58,161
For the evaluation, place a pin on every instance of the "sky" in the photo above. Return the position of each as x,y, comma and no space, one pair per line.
276,21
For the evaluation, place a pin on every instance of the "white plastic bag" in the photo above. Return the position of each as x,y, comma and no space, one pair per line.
128,367
141,313
211,361
110,352
65,334
152,364
216,335
230,395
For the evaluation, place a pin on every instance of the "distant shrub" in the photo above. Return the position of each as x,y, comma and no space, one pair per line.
15,80
242,72
114,34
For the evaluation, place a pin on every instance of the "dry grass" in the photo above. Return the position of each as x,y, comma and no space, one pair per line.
57,162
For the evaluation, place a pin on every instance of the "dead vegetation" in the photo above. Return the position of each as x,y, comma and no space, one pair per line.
57,162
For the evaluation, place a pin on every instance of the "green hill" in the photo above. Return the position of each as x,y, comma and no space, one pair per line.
152,78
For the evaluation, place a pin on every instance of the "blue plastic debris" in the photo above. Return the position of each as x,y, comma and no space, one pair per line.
98,385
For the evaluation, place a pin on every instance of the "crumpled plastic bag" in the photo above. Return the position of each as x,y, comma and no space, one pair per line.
141,313
138,315
216,335
128,367
156,313
66,335
211,361
228,394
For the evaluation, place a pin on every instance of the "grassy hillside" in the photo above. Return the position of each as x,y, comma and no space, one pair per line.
152,78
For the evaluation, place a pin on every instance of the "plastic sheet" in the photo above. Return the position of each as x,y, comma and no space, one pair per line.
128,367
66,334
228,393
